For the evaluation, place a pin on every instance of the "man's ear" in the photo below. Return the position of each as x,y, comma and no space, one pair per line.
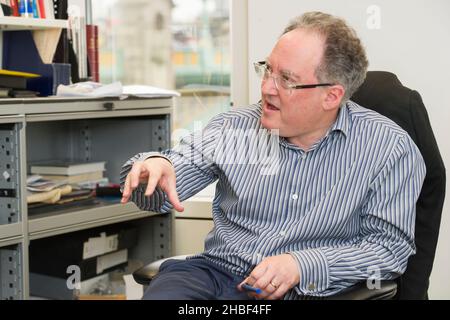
334,97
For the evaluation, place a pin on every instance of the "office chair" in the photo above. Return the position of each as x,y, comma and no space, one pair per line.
384,93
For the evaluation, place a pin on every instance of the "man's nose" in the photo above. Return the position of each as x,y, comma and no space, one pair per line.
268,86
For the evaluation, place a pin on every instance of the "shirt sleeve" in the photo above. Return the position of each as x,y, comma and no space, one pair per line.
387,222
193,161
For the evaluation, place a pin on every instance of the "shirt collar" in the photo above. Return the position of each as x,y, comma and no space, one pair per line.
342,120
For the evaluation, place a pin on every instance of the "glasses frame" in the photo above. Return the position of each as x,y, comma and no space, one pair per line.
269,74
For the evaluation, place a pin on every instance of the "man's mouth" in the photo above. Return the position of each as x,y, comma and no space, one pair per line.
271,107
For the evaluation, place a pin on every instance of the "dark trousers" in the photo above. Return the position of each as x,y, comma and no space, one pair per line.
194,279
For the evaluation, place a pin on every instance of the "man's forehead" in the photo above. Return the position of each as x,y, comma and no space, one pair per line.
296,50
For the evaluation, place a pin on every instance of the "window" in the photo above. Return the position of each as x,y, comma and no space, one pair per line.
179,44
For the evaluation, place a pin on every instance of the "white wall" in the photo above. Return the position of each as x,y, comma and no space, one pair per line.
412,41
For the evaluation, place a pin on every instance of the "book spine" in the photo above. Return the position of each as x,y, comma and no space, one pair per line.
49,9
34,6
23,8
92,51
15,8
41,7
29,8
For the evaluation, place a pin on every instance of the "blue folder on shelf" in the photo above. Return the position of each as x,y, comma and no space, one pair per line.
20,54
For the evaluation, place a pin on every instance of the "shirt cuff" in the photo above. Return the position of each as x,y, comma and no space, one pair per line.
147,155
313,269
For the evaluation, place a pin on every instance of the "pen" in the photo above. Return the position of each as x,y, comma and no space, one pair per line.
250,288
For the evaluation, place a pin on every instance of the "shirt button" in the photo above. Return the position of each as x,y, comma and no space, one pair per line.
311,286
294,196
282,233
304,155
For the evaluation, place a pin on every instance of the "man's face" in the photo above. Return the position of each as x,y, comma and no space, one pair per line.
296,55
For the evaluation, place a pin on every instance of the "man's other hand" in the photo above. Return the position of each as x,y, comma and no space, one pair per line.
274,276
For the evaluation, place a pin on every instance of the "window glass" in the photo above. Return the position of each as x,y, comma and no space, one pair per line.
179,44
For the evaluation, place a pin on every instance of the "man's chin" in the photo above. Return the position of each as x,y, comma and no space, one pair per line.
268,123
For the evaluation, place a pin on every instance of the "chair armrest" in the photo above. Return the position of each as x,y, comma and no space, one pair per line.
387,291
145,274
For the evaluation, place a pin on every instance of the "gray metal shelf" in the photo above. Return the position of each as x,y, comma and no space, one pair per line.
90,129
46,225
11,272
10,231
40,106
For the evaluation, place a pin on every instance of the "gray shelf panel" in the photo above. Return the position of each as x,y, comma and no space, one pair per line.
64,105
10,241
96,114
11,140
41,226
11,274
8,231
12,119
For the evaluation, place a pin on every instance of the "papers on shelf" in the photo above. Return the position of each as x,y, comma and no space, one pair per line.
51,196
36,183
148,91
90,89
97,90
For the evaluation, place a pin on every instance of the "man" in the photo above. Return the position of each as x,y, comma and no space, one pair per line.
329,204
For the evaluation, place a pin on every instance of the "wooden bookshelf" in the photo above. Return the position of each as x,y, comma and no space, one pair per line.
19,23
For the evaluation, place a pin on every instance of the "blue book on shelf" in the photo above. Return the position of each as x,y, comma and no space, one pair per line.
20,54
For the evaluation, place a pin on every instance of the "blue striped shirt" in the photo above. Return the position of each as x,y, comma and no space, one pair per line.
345,208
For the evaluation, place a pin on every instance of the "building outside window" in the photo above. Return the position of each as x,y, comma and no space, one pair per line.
180,44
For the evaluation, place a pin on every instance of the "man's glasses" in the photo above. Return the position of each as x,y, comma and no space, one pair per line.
282,81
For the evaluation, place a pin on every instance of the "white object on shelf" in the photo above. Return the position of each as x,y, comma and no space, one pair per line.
90,89
148,91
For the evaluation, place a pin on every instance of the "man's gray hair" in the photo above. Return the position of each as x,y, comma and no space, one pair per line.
344,59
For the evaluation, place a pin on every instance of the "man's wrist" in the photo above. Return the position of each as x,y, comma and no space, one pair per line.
149,155
159,156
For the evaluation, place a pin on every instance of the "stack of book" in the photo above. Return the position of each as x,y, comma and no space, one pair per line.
80,177
13,84
70,170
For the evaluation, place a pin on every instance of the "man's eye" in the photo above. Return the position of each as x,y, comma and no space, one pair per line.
286,78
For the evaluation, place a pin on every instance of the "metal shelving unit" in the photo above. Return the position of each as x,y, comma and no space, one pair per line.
90,129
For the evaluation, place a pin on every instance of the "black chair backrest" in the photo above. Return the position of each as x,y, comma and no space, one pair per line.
384,93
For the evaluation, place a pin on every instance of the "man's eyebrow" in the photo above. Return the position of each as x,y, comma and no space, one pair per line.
282,71
290,74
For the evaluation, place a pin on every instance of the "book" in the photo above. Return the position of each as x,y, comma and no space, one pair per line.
6,72
41,8
13,82
5,8
69,168
49,11
34,9
44,185
14,79
83,177
26,8
19,93
92,51
14,7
